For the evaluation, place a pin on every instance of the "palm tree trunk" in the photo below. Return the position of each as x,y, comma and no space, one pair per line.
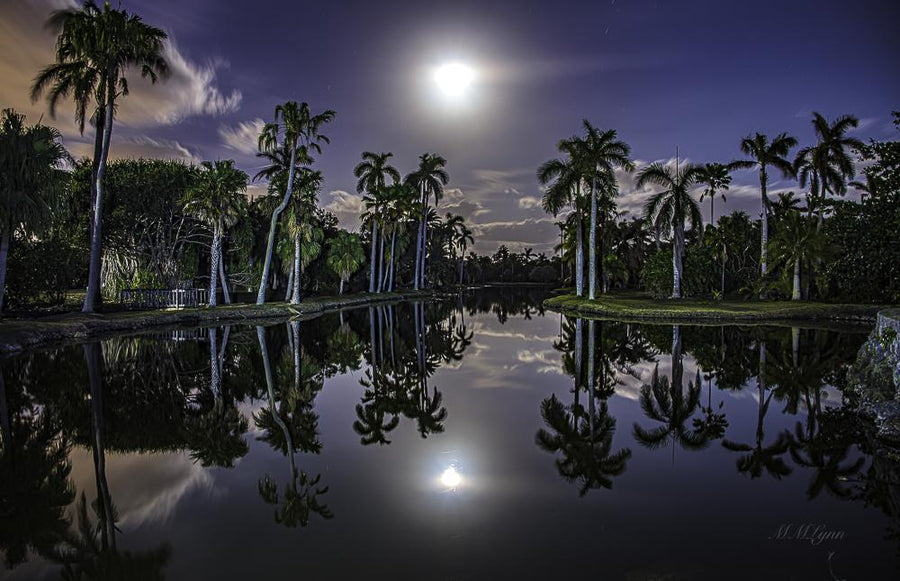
712,209
4,256
763,261
214,257
422,271
393,260
578,356
92,297
592,242
590,373
795,295
381,264
677,360
93,358
341,287
579,256
224,280
677,249
270,243
290,284
215,376
723,274
298,272
419,237
373,255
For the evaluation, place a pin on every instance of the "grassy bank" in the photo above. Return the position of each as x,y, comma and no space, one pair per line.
19,334
642,307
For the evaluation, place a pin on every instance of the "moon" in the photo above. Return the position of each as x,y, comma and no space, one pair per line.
451,478
454,78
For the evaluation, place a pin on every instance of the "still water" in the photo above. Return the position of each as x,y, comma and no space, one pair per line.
468,438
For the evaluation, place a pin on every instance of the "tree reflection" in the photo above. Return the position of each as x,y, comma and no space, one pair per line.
34,479
300,496
671,405
759,458
216,434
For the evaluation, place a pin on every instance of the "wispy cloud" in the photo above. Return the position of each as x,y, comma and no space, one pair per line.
244,137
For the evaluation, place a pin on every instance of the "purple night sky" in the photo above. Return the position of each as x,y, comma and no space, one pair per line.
693,74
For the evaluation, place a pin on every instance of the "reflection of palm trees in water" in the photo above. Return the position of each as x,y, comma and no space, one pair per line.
34,479
91,552
668,403
398,385
216,435
300,497
757,457
584,439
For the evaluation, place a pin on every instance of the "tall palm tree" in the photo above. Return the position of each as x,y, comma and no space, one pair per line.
345,256
716,177
430,178
764,154
602,152
797,242
302,227
829,160
29,180
94,49
461,237
300,134
669,209
563,178
217,199
372,174
400,205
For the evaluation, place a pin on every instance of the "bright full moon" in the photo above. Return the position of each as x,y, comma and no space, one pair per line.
451,478
453,78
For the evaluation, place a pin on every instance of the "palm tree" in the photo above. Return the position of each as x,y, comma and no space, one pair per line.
716,177
345,256
828,164
430,178
764,154
461,237
29,180
562,179
302,228
399,205
796,243
301,136
759,457
669,209
584,439
94,50
601,152
217,199
373,173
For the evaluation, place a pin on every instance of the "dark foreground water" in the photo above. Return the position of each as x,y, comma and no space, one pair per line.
477,438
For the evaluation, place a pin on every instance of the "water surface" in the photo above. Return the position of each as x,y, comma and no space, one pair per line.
475,438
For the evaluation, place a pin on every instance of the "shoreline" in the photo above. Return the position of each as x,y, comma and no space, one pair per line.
699,312
18,335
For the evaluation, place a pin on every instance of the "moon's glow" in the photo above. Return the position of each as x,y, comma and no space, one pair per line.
453,78
451,478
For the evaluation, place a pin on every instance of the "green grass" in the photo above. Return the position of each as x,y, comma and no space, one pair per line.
639,306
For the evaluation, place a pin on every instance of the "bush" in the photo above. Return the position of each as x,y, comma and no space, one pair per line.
700,273
543,273
41,272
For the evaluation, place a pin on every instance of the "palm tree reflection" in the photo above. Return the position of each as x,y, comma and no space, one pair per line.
300,496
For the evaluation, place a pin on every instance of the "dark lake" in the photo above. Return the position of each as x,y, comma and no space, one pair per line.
475,437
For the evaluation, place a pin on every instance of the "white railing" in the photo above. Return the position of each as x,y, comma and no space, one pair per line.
160,298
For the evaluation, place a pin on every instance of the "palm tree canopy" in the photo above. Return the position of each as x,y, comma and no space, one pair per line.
300,129
430,175
763,153
373,172
217,198
345,254
29,169
94,49
674,204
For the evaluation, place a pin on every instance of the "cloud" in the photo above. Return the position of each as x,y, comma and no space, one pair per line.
28,47
536,233
529,203
138,146
347,207
244,137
